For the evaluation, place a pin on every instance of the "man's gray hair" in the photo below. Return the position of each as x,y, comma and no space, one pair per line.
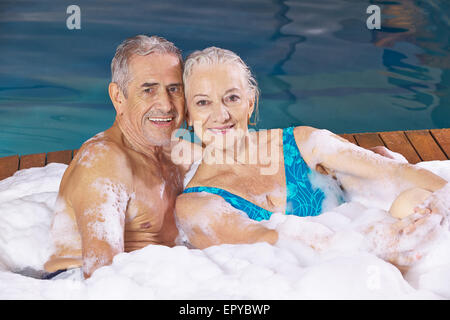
214,55
141,45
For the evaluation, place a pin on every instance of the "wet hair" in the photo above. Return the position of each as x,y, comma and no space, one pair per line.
214,55
141,45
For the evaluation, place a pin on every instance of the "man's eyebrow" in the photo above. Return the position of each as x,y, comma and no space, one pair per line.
149,84
178,84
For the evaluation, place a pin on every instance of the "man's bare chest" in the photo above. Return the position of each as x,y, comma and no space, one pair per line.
153,198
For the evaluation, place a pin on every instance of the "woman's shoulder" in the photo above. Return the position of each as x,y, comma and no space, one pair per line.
302,133
299,131
266,136
208,175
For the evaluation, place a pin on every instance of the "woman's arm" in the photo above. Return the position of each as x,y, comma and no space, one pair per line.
321,147
208,220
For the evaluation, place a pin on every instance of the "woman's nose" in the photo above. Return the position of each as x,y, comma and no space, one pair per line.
220,113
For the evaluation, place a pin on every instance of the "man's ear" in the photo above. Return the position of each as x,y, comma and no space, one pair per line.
117,97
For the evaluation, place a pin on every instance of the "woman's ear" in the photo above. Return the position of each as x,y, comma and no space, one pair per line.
251,108
117,97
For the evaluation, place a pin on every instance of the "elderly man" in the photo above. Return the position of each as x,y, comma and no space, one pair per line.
118,194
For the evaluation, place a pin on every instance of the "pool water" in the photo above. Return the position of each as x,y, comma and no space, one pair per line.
316,62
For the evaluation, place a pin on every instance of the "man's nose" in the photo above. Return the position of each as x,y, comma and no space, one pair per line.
220,113
165,103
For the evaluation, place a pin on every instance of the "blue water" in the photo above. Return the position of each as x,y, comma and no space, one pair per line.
316,62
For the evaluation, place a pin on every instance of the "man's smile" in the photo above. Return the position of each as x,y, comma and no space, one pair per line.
161,122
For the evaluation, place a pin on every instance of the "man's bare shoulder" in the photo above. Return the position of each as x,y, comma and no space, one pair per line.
98,157
100,151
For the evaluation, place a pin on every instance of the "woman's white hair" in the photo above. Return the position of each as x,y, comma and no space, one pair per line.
214,55
141,45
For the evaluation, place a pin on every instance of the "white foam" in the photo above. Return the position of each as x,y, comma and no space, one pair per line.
334,255
330,187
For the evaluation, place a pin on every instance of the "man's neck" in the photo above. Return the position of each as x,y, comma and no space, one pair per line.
139,145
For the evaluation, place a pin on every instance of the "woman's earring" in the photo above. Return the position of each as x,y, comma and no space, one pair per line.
250,123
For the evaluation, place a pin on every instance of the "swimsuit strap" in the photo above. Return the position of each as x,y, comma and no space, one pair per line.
253,211
302,198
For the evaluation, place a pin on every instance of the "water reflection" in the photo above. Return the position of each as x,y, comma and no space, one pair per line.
316,62
427,27
284,87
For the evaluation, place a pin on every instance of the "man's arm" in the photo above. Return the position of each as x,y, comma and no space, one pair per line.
99,195
209,220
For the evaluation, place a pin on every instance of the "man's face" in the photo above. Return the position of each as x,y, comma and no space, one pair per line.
155,104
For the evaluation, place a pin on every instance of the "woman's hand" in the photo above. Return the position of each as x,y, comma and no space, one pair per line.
408,202
411,235
385,152
415,207
407,240
437,203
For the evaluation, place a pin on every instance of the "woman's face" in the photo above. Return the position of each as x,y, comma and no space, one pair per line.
219,104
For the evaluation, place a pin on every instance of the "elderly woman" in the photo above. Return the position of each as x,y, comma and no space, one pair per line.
245,175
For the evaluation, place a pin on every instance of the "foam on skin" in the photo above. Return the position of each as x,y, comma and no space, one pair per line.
111,213
203,220
88,156
64,229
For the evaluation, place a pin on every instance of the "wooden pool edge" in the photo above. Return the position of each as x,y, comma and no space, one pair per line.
414,145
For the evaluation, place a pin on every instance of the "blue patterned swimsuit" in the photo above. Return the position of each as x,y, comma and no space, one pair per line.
302,199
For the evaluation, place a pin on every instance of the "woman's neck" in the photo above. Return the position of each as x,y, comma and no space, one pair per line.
241,152
255,150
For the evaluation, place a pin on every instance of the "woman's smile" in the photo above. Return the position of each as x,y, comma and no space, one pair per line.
224,129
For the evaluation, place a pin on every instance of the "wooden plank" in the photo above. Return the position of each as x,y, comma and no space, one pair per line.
442,136
348,137
8,165
60,156
32,160
396,141
368,140
425,145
